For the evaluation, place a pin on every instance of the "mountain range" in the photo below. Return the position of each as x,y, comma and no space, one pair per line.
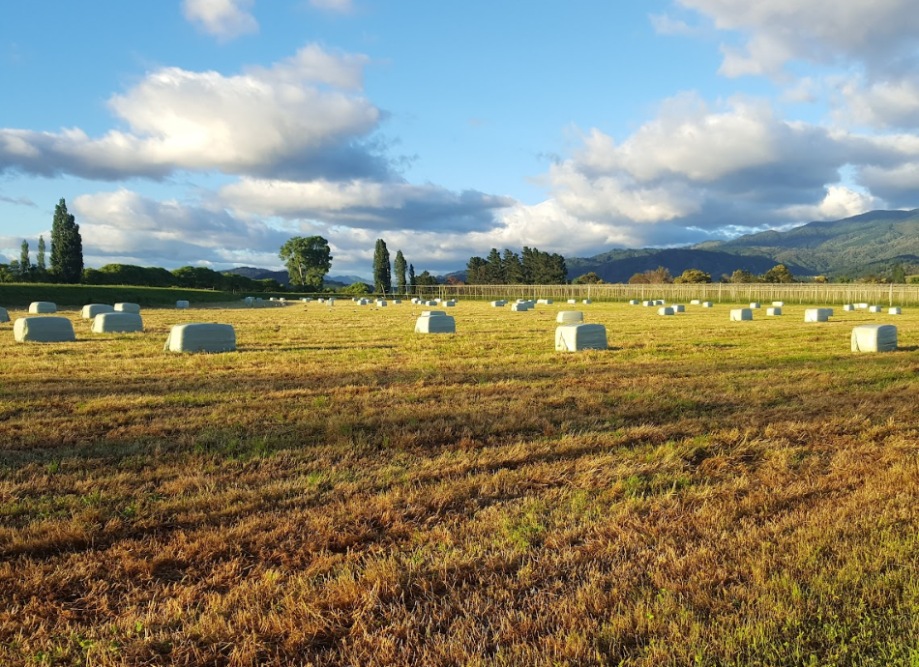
866,244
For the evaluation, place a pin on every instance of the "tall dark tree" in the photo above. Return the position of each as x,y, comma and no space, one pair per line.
475,270
399,266
308,260
40,257
494,269
382,271
66,246
513,270
411,278
25,264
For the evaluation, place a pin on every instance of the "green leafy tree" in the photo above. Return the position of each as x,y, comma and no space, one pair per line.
494,269
475,270
693,276
513,270
399,267
40,256
658,276
425,279
411,278
356,289
778,274
898,273
742,276
382,271
66,246
308,260
589,278
25,264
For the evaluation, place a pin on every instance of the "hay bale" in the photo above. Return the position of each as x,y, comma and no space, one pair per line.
778,304
249,300
201,337
634,302
817,314
4,316
127,308
397,302
498,304
774,311
707,304
678,308
90,310
117,323
862,306
42,307
695,302
874,309
574,337
648,304
848,307
666,310
182,304
520,307
381,303
569,317
659,302
43,330
450,303
741,314
587,302
754,305
894,311
544,302
874,338
571,301
435,321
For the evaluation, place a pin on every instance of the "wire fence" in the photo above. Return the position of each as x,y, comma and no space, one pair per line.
802,293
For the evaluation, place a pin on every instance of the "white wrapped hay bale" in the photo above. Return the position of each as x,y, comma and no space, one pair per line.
544,302
741,314
894,311
397,302
90,310
707,304
659,302
435,321
41,307
587,302
182,304
817,314
362,302
862,306
848,307
127,308
117,323
249,300
450,303
381,303
874,309
520,307
634,302
43,330
570,301
774,311
4,316
695,302
574,337
678,308
569,317
201,337
498,304
648,304
874,338
778,304
434,302
754,305
666,310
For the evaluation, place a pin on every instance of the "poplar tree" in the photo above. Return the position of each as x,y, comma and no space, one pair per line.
399,266
25,266
411,278
66,246
382,271
40,258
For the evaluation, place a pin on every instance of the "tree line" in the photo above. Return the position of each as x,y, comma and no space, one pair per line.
66,260
532,267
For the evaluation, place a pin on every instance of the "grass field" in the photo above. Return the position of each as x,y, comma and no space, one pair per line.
341,491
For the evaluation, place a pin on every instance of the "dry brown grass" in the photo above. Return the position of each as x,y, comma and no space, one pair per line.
344,492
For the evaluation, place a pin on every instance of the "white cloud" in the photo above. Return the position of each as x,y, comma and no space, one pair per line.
300,117
225,19
840,202
883,104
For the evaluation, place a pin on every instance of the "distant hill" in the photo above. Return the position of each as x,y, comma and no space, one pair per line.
861,245
284,278
618,266
866,243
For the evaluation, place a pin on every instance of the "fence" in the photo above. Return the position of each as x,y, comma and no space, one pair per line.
801,293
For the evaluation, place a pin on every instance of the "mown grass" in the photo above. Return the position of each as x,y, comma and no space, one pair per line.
342,491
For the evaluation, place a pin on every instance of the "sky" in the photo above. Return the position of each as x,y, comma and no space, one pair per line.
208,132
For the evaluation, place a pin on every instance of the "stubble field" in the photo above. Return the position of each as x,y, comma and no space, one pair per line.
342,491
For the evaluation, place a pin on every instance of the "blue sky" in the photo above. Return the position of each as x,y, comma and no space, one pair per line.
210,131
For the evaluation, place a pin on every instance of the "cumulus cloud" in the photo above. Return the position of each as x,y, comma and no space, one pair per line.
225,19
124,224
363,204
838,203
304,117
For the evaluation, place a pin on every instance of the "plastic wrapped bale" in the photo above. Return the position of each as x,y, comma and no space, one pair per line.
874,338
435,321
817,315
182,304
648,304
201,337
754,305
520,307
894,311
660,302
397,302
848,307
544,302
362,302
117,323
587,302
634,302
574,337
90,310
874,309
666,310
774,311
862,306
127,308
678,308
43,330
434,302
741,314
249,300
695,302
450,303
569,317
500,303
571,301
4,316
42,307
778,304
707,304
381,303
